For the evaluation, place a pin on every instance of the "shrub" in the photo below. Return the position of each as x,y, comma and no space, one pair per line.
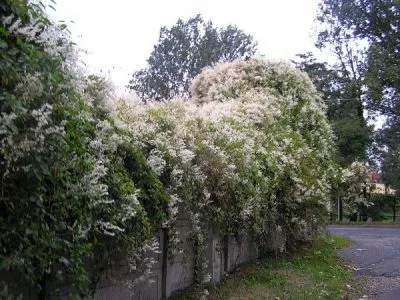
68,174
251,151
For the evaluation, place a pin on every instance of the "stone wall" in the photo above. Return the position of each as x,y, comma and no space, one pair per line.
180,271
223,254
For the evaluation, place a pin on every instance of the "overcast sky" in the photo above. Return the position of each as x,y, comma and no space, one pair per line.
120,34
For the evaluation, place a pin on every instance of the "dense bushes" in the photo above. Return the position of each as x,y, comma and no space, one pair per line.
68,186
250,153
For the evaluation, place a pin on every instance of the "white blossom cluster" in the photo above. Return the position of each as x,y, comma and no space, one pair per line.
60,169
253,136
354,186
251,152
52,38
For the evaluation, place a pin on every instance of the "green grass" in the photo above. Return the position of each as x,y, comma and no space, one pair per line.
314,272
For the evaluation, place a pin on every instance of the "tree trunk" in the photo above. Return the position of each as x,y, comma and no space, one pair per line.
394,209
340,209
164,263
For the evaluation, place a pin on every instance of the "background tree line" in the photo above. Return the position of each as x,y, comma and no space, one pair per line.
364,36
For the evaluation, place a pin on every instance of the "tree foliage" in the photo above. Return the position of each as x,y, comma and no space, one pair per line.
182,51
352,135
378,23
345,95
374,24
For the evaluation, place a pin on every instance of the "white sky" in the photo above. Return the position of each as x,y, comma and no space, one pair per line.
120,34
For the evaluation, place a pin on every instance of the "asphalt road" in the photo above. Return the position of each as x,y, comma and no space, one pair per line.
375,257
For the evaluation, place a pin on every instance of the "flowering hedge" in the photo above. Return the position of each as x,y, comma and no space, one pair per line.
353,187
249,154
70,178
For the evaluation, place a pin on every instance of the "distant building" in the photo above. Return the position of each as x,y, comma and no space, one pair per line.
375,177
380,188
377,187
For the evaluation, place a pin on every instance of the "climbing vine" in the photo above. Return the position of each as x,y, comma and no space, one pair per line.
82,181
72,183
251,153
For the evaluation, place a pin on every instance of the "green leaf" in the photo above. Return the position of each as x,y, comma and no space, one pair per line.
3,44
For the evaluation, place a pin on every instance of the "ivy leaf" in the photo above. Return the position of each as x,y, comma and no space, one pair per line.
3,44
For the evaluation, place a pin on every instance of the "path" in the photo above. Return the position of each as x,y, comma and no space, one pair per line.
376,258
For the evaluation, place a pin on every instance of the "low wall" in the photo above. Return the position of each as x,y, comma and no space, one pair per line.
223,255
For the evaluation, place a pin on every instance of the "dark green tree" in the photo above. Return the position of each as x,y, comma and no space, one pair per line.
343,111
182,51
374,23
17,7
388,144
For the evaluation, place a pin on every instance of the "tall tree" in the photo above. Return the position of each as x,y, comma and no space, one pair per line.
376,24
343,110
182,51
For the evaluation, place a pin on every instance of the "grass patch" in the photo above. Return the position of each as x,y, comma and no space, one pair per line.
313,272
